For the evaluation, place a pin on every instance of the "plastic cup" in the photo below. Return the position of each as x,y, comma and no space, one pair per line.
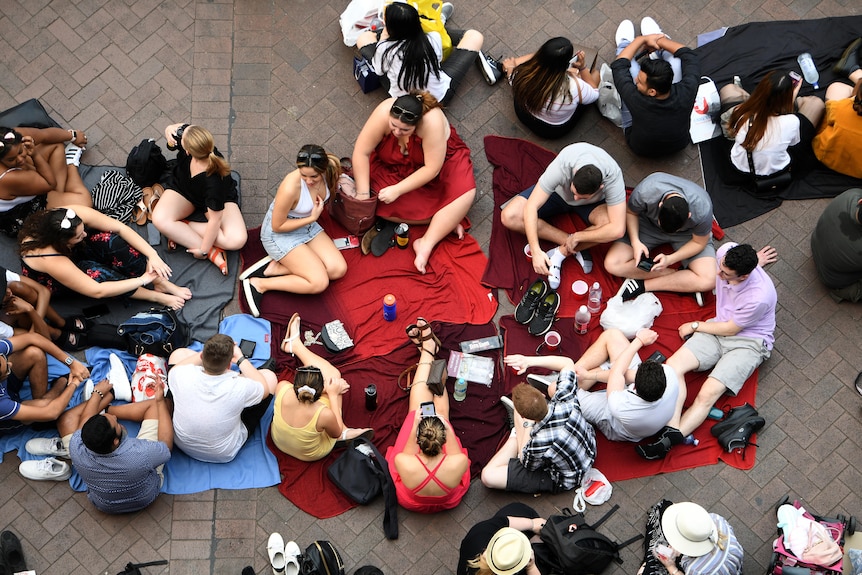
528,252
552,340
580,288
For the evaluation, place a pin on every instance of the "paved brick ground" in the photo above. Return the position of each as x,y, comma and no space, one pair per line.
267,77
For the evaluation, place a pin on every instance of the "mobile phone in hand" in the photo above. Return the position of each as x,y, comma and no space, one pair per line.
646,263
247,347
426,409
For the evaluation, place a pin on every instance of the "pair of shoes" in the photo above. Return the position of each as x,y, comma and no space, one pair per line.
11,552
631,289
626,30
849,60
256,269
510,410
253,298
343,441
283,558
446,12
491,69
421,332
290,334
219,258
546,313
526,309
52,446
668,437
542,382
555,270
140,213
73,154
50,469
77,323
585,259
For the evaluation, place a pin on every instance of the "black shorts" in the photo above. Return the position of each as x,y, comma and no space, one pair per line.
521,480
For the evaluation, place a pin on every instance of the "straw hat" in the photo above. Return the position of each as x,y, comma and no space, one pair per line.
689,529
508,551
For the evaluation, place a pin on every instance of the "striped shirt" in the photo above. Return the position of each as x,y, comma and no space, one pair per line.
719,561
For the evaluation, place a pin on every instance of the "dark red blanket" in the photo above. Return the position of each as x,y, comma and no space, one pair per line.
449,295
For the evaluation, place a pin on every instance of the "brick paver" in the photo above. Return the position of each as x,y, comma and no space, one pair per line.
269,76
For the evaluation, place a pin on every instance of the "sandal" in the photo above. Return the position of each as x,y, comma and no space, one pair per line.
287,342
172,245
213,256
69,340
421,332
155,196
77,323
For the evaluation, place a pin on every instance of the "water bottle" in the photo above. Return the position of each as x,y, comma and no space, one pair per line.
594,300
582,320
460,389
371,397
389,308
809,70
690,440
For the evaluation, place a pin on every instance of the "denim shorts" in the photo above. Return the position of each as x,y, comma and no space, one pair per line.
279,244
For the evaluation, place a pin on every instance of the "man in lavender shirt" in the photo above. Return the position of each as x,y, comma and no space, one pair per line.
737,340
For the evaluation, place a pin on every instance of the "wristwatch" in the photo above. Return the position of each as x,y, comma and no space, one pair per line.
69,360
527,424
695,325
241,359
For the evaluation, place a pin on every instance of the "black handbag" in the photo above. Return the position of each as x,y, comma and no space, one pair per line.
362,474
366,77
768,186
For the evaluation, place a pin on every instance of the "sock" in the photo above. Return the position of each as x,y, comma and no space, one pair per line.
585,259
556,264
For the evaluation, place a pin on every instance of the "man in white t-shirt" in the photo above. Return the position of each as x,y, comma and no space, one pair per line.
216,409
639,401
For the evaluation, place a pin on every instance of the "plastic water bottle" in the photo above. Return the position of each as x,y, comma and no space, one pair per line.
809,70
390,311
460,389
690,440
582,320
594,300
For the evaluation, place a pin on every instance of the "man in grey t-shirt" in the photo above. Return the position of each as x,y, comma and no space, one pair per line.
583,179
666,209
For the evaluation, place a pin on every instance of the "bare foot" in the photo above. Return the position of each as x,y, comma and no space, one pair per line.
174,302
423,253
164,286
459,231
255,283
354,432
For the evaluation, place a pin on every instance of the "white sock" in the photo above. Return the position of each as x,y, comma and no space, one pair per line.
587,265
554,271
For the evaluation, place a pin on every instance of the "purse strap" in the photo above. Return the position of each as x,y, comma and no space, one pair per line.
390,515
750,155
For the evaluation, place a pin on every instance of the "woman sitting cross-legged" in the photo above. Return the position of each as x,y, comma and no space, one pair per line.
429,466
84,251
551,86
419,166
301,256
307,418
199,206
37,170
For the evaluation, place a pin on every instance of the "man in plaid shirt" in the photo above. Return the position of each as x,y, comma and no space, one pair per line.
551,445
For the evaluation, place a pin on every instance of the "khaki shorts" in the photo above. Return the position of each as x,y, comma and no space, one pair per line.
732,358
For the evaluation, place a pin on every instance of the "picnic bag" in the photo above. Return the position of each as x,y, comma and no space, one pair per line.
321,558
355,215
158,331
574,547
240,326
362,474
146,163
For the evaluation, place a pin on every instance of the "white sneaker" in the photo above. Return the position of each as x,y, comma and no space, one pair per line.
256,269
275,550
88,389
649,26
510,409
625,32
52,446
49,469
291,555
119,379
446,12
73,154
554,271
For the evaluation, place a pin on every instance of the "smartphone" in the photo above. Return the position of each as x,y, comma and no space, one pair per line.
95,311
426,409
657,357
646,263
795,78
346,243
247,347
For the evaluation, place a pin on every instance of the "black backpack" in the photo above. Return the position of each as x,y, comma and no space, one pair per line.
321,558
573,547
146,163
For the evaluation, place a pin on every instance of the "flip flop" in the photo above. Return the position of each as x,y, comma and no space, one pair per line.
384,239
288,340
343,442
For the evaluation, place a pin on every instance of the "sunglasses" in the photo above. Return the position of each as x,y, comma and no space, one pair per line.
311,159
10,138
308,369
66,222
403,115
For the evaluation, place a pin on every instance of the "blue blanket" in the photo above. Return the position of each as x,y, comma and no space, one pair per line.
254,465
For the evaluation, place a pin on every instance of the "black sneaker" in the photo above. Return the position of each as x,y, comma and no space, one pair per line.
542,382
668,437
510,410
631,289
526,309
491,69
545,314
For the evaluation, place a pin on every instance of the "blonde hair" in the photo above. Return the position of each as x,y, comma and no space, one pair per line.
481,566
431,435
200,144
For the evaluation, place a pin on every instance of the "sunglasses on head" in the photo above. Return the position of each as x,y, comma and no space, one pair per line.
313,159
66,222
403,115
308,369
9,138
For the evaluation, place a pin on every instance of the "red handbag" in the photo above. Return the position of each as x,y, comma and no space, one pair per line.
354,214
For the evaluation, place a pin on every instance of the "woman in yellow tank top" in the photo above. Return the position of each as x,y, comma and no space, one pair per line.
307,417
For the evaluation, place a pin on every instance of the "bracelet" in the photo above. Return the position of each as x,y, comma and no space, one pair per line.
240,360
102,395
424,363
